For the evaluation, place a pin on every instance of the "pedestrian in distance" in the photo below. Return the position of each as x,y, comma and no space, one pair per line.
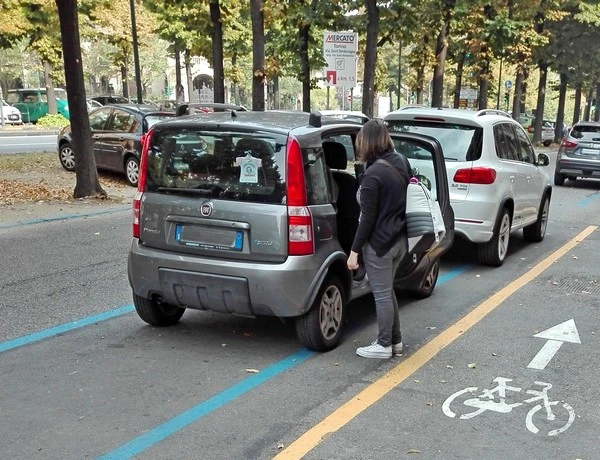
381,236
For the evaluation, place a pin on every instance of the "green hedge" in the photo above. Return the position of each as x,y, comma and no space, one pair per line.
53,121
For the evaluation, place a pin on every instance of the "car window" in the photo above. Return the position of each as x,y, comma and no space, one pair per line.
588,133
151,120
123,122
12,98
502,148
315,173
230,166
526,149
421,162
347,142
98,118
43,97
60,94
512,145
459,142
30,98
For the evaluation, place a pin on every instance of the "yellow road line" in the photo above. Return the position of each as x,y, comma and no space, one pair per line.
406,368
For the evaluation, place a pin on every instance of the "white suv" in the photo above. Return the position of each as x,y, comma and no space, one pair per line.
496,183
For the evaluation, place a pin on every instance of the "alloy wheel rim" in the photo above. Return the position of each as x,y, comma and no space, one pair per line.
504,235
545,216
431,276
133,171
67,156
330,312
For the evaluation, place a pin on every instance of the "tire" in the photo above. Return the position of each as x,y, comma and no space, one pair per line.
494,251
132,170
66,156
428,285
559,179
155,313
547,143
320,329
536,232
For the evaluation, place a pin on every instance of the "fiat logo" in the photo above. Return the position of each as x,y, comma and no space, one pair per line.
206,209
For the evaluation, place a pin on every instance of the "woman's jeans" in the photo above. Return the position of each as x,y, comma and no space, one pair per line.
381,271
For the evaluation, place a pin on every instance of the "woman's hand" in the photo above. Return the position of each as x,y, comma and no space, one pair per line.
352,262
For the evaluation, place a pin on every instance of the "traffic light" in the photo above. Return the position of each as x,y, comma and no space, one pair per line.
506,97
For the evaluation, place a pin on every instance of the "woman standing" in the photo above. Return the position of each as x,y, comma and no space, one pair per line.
381,234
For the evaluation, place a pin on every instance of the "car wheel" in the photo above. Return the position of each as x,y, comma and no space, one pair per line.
426,288
547,143
320,329
132,170
66,156
536,232
157,313
559,179
494,251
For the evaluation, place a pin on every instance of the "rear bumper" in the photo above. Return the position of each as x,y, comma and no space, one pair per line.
578,167
248,288
475,220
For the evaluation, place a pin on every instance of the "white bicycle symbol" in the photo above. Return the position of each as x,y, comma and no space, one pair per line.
486,401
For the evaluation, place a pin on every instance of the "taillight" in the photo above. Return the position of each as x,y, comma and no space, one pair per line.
530,129
137,199
568,144
300,239
477,175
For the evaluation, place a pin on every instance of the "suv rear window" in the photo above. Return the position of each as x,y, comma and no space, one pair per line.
459,142
588,133
225,165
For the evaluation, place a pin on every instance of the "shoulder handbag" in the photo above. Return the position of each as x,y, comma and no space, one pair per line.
424,221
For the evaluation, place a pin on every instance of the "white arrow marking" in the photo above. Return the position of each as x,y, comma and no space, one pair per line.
564,332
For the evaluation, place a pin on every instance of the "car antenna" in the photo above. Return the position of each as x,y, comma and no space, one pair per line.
233,114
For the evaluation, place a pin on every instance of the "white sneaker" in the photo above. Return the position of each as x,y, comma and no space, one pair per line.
374,351
397,348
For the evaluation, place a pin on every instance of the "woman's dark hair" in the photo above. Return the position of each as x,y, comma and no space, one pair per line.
373,140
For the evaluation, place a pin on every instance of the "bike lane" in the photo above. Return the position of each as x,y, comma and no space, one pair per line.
515,378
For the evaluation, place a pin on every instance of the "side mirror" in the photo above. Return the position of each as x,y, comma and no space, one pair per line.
543,159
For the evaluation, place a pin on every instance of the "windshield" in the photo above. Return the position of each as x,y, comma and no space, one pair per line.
459,142
224,165
60,94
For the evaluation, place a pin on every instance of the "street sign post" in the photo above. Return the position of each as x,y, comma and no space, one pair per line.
339,51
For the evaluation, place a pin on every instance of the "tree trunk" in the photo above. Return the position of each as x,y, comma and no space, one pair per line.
276,93
217,52
588,102
188,73
179,96
441,50
86,174
49,89
517,109
420,83
125,81
370,58
303,35
483,85
560,116
597,108
258,55
577,108
460,65
541,99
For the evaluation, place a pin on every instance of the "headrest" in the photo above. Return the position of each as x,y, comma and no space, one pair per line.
335,155
258,147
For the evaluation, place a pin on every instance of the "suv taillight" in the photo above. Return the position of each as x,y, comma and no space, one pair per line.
300,238
568,144
477,175
137,199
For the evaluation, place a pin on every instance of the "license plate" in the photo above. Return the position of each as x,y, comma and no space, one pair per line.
590,151
205,238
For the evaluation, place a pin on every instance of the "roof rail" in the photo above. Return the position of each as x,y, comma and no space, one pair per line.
492,112
314,119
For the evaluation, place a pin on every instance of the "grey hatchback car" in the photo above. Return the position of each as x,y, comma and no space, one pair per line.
254,213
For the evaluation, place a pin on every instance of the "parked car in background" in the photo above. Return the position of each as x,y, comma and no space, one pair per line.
497,183
11,115
107,99
348,115
92,104
527,121
254,213
33,103
116,138
579,153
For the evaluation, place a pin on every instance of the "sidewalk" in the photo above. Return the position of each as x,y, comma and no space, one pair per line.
27,130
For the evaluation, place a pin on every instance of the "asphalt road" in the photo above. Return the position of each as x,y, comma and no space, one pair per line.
83,377
27,144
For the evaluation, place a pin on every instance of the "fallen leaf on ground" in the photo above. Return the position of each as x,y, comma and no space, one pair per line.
472,365
252,371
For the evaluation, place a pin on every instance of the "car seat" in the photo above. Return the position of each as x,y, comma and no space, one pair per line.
348,209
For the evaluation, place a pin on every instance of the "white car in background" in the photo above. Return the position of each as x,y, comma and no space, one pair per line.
497,183
12,115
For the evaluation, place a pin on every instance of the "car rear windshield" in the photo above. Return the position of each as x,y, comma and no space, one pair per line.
587,133
226,165
459,142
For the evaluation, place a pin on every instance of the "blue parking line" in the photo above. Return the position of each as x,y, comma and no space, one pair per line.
66,217
589,200
182,420
166,429
53,331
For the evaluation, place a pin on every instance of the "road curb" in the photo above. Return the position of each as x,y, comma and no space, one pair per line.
10,132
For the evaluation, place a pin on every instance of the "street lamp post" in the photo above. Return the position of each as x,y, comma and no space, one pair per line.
136,55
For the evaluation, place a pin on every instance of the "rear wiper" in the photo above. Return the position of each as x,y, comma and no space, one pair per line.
193,191
450,158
